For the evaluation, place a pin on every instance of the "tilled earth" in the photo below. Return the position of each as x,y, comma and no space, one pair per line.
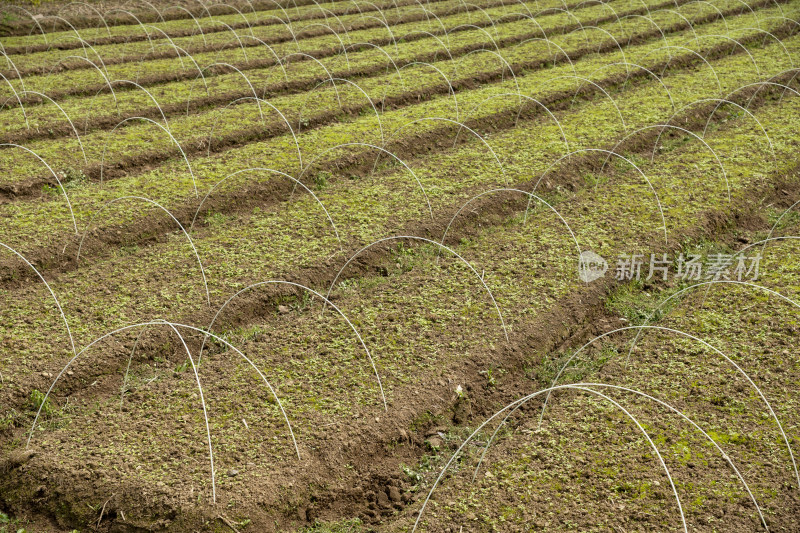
197,336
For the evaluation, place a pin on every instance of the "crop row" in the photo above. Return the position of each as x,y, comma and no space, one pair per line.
365,209
238,121
174,97
281,153
190,26
423,315
249,53
160,46
20,22
303,75
155,44
383,200
754,325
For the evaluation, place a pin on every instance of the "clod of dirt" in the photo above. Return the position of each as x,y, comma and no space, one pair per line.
383,499
394,494
282,309
402,435
435,443
15,459
435,431
461,411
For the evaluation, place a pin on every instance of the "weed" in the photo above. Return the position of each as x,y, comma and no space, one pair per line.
38,401
460,393
9,420
579,368
413,475
216,220
71,177
320,180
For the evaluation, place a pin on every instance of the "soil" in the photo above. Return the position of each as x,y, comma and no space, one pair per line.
377,465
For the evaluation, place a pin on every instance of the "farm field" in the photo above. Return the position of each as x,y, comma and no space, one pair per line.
400,266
